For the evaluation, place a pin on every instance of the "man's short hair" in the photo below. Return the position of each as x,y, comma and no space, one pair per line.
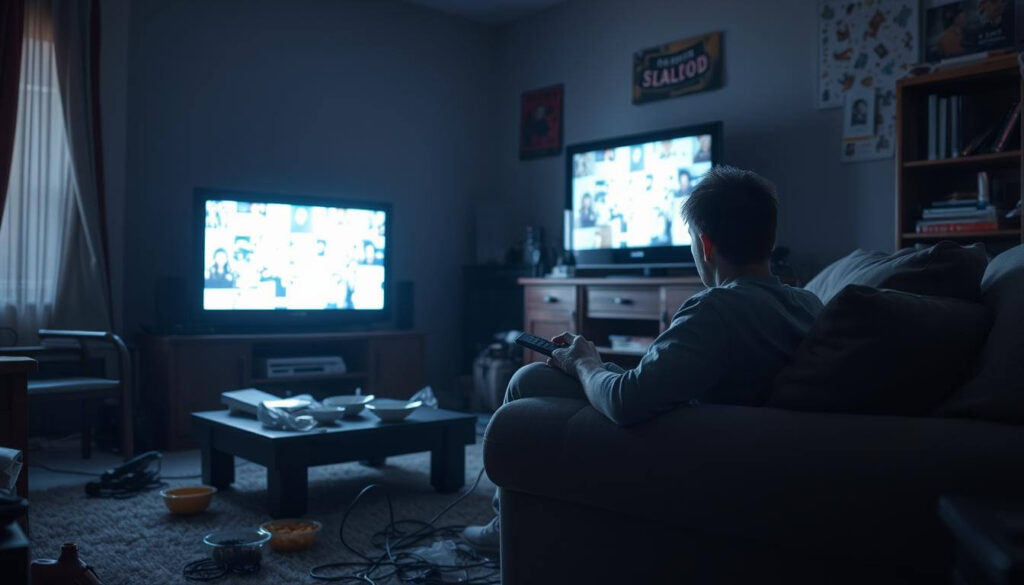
738,211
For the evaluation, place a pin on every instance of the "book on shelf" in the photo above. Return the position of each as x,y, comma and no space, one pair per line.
1008,127
959,212
951,227
933,125
960,125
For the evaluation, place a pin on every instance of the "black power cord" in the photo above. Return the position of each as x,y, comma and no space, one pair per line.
140,474
396,542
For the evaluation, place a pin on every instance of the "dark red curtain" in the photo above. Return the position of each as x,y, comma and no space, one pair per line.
12,23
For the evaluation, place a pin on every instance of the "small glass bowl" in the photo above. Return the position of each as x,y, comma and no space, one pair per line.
237,549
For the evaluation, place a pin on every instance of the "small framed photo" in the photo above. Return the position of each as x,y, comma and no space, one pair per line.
540,122
859,113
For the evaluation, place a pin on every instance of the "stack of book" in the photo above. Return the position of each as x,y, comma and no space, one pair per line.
956,127
957,216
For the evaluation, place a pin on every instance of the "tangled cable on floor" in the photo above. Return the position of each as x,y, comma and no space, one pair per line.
397,542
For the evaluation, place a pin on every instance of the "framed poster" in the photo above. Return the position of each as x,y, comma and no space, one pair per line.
865,46
677,68
960,27
540,122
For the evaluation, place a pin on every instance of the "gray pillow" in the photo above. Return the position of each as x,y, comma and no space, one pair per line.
943,270
876,351
997,391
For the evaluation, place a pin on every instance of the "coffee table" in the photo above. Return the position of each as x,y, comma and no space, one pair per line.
288,455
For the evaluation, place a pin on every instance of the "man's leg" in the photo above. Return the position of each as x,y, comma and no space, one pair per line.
538,379
530,381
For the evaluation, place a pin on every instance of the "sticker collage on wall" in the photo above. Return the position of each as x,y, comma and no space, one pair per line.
865,46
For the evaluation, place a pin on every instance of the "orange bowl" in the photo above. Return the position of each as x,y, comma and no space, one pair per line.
292,533
188,500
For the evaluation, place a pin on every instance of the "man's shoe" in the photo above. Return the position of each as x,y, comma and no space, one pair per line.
485,539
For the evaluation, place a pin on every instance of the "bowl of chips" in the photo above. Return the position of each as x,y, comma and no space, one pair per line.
292,533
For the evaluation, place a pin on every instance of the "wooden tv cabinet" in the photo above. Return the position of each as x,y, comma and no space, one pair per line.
182,374
599,307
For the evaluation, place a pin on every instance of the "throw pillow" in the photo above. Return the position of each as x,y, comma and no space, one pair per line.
943,270
997,391
883,352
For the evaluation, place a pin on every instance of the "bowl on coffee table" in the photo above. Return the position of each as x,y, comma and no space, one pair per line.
389,410
352,403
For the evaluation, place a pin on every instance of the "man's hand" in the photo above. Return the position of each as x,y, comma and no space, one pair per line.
577,350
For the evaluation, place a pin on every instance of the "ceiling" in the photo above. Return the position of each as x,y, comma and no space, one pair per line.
489,11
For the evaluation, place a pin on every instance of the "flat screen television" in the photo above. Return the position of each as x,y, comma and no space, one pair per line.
624,195
276,260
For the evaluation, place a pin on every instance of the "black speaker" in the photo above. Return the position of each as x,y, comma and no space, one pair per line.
171,304
405,296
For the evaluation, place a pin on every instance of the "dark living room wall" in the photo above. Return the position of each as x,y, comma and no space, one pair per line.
350,99
767,104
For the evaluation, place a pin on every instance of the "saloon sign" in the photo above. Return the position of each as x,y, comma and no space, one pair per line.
678,68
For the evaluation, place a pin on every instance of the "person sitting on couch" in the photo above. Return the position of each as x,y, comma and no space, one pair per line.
725,344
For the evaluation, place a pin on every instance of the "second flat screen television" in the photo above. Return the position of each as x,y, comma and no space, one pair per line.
624,195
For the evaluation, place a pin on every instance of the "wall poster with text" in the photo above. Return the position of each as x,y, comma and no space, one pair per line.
678,68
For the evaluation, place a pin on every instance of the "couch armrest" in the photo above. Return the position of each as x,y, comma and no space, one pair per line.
813,480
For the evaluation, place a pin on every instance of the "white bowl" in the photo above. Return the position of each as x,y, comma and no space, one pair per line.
389,410
353,403
326,414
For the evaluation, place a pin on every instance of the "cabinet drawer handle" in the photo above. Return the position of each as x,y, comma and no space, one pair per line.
622,301
550,299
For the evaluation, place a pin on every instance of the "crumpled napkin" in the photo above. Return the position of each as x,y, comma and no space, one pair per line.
280,419
10,468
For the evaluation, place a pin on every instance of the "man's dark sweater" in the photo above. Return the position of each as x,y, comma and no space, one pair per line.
725,345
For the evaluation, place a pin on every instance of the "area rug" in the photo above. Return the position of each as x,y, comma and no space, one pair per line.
137,541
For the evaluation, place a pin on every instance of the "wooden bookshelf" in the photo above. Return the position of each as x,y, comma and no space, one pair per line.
993,86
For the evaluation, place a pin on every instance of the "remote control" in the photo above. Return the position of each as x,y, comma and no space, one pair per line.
537,344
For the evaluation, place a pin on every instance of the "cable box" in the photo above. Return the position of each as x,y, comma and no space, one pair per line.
293,367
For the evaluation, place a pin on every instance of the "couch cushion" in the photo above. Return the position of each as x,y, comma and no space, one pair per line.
997,391
883,352
944,270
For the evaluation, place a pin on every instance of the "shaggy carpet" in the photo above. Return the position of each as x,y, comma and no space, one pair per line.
137,541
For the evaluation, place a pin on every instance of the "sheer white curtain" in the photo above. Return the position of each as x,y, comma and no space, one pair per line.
41,203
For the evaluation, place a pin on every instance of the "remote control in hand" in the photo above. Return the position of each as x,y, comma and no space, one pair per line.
537,344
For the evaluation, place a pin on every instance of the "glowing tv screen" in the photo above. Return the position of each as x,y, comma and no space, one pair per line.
265,255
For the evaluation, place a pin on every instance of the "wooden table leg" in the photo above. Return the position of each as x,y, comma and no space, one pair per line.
286,491
218,467
448,465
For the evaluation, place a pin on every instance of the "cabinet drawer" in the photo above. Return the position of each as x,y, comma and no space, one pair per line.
551,297
673,297
623,302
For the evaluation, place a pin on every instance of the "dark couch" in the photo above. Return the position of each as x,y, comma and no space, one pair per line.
750,494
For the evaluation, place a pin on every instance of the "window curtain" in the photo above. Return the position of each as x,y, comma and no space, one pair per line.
53,258
39,205
12,19
83,297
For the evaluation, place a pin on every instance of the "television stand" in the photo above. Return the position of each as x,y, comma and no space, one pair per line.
182,374
602,306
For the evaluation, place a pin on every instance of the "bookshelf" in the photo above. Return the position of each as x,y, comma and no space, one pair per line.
987,90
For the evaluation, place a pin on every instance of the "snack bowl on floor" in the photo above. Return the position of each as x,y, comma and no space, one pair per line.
188,500
238,549
292,533
388,410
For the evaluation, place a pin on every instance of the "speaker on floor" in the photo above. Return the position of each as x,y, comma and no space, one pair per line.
405,295
171,304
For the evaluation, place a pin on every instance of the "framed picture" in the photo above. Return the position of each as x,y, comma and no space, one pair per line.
540,122
961,27
678,68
